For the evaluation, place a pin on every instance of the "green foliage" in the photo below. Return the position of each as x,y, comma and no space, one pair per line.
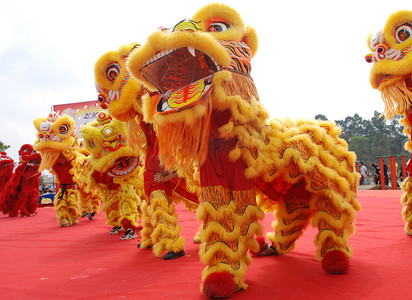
360,145
372,138
3,147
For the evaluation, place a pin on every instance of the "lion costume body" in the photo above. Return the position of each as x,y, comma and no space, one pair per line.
122,96
59,148
391,74
21,193
115,168
6,170
206,110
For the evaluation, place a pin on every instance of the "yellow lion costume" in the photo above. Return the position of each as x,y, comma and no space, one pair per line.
391,74
58,145
122,95
114,167
205,109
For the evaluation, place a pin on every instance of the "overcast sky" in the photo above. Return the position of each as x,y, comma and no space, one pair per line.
310,59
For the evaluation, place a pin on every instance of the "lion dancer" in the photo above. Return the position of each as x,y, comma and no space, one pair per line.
28,197
115,168
406,186
122,95
21,193
160,228
188,118
229,214
391,74
57,143
6,171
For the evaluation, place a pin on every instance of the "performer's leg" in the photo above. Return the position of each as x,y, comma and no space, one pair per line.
292,214
33,203
111,211
335,225
166,232
406,200
73,202
147,228
128,209
230,223
61,207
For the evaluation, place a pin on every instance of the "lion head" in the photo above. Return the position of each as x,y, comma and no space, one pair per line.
55,135
199,65
6,163
105,140
392,63
120,93
27,153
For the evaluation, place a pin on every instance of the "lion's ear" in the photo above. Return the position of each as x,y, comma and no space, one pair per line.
250,38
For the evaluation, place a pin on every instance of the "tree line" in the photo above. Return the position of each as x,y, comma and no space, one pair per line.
373,138
369,139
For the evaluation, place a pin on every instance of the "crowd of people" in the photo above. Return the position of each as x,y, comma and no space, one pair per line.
372,175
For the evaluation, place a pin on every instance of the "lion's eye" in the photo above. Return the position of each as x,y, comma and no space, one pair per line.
112,71
403,32
218,26
63,129
92,144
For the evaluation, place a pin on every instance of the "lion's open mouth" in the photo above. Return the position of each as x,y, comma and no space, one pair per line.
182,76
175,69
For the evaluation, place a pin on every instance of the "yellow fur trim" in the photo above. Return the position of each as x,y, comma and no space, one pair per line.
184,142
89,201
396,19
159,41
396,97
219,10
68,206
251,39
166,232
48,159
406,201
230,223
129,203
147,228
111,208
147,109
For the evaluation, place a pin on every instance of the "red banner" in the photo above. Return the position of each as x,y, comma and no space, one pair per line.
81,112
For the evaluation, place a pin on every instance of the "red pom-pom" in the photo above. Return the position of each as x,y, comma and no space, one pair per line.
262,242
218,285
335,262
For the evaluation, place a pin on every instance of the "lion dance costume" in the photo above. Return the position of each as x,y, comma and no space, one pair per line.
6,170
59,149
21,193
114,167
206,111
391,74
122,96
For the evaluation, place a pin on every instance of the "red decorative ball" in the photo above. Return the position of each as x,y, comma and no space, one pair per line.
218,285
335,262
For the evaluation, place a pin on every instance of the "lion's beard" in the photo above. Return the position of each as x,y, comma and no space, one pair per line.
48,159
184,142
396,97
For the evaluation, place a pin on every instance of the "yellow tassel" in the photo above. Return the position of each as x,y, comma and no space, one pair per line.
48,159
396,97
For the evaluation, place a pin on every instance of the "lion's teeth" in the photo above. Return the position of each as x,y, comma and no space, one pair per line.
191,50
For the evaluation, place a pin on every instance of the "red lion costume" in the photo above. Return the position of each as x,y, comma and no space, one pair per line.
21,193
6,170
